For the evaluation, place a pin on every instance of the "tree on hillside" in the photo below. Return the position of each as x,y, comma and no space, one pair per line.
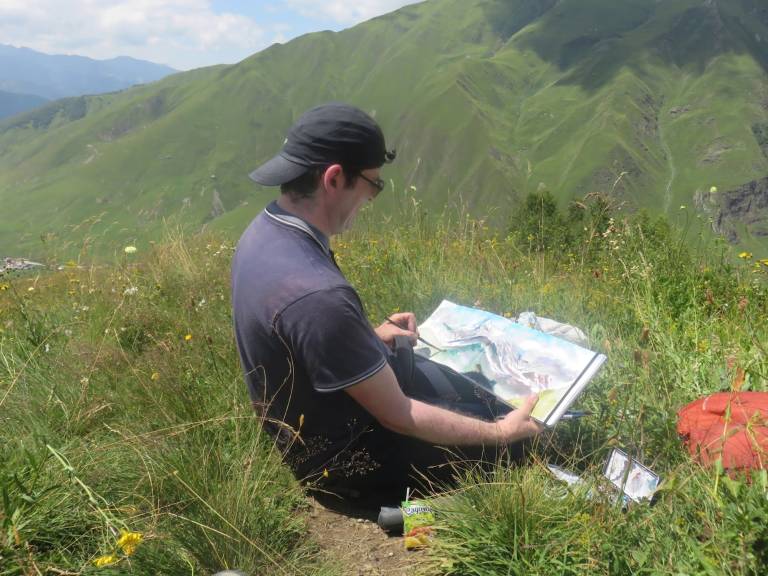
540,223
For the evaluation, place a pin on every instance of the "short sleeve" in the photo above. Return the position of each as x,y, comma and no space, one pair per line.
331,339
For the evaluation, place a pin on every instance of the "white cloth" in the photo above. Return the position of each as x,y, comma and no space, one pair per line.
553,327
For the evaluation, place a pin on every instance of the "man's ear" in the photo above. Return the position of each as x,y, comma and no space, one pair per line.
333,177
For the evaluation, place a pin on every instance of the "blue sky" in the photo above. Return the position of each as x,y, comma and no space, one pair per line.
275,13
184,34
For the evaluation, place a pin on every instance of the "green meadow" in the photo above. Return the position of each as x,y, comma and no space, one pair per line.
128,444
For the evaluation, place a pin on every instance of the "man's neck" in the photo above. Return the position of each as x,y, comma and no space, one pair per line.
307,210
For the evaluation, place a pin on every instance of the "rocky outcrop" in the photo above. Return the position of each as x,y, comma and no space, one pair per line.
760,130
217,206
16,264
745,207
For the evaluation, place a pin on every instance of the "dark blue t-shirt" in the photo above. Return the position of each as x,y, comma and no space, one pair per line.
303,337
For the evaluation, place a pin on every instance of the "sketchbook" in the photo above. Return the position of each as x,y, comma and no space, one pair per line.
514,360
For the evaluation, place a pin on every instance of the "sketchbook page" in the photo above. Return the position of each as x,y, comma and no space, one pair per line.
571,395
518,361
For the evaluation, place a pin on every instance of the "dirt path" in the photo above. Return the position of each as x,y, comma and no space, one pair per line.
668,150
355,541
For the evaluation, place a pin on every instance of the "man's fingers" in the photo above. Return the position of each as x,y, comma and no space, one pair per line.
519,422
529,405
400,318
536,427
406,320
412,336
396,330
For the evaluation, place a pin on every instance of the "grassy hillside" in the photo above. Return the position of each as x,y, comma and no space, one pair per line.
487,100
123,410
123,405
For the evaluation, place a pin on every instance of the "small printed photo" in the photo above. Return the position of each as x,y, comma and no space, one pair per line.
632,478
564,475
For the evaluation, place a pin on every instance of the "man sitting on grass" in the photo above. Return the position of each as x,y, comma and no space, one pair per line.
320,373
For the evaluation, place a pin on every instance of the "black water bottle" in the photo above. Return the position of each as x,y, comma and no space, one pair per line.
391,520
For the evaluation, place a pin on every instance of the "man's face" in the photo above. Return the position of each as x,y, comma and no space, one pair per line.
354,197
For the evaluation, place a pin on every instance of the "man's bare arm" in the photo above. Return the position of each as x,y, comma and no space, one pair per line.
382,397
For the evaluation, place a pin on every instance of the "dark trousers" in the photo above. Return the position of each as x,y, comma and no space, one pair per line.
404,462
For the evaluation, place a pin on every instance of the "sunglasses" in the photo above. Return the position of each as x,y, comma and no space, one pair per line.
379,184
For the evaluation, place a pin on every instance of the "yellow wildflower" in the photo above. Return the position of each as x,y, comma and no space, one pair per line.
713,190
745,255
129,249
155,376
188,337
107,560
31,289
325,473
128,541
583,518
4,287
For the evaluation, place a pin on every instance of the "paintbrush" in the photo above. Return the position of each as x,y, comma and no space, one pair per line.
419,338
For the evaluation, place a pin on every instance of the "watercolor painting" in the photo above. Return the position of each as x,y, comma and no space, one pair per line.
517,361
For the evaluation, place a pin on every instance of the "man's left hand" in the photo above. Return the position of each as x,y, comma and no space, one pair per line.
401,324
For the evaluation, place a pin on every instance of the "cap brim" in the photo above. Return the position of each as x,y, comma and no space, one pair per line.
276,171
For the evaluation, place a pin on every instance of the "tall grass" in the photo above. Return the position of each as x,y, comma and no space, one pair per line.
123,409
676,323
123,406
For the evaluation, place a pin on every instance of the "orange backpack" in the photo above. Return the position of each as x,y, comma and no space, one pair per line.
727,426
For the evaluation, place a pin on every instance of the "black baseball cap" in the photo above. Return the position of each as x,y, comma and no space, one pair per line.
333,133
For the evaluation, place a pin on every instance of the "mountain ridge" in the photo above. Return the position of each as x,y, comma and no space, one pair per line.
53,76
11,103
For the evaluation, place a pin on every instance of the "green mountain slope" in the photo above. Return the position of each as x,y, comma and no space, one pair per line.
485,100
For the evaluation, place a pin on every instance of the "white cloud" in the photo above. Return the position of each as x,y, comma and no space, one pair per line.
181,33
347,11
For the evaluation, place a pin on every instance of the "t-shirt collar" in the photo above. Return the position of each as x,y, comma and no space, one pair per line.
275,212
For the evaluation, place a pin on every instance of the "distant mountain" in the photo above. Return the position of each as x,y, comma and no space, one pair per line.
24,71
11,104
656,103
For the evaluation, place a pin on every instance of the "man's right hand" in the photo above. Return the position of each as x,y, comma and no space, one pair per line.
400,324
518,424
